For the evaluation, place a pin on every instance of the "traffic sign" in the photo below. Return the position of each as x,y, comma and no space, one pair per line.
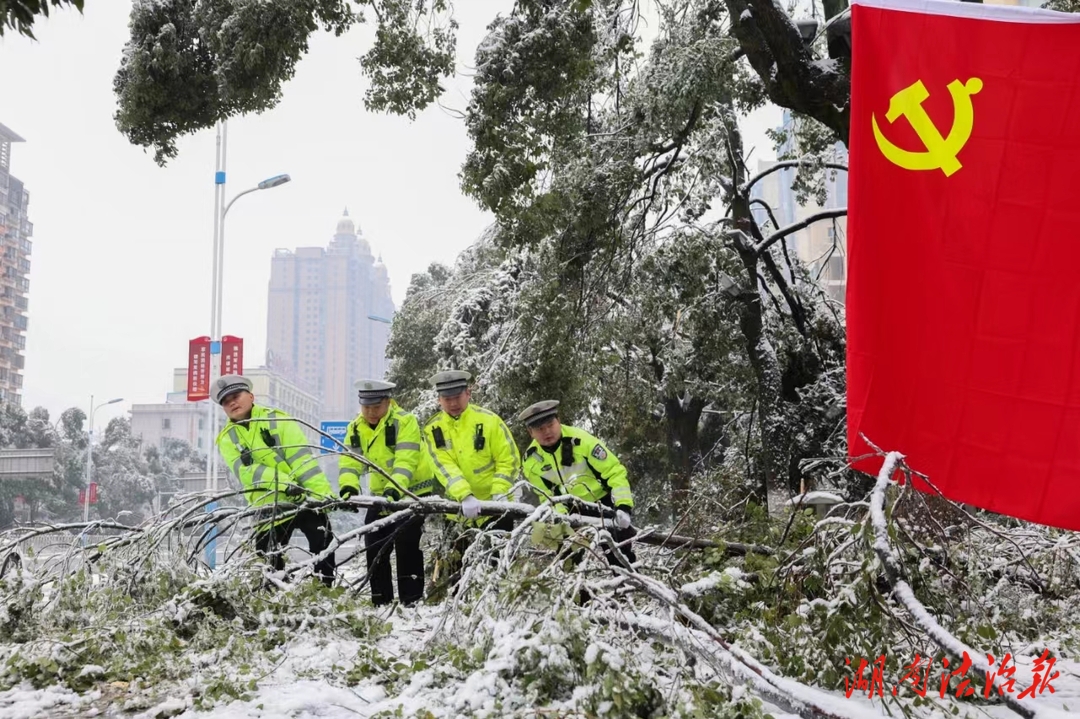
336,430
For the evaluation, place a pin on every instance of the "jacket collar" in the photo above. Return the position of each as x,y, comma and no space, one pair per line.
257,412
386,419
464,413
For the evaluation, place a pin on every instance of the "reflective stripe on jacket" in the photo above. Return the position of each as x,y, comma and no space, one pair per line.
476,454
404,460
289,460
588,471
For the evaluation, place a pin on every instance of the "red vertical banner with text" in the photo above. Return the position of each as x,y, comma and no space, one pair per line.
198,377
232,355
93,494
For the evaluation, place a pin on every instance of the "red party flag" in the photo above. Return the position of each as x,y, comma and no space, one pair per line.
963,305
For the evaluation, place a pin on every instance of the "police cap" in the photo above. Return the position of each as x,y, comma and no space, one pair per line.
451,382
537,414
373,391
228,384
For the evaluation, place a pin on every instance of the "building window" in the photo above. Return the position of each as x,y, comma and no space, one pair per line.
166,423
834,270
200,442
202,425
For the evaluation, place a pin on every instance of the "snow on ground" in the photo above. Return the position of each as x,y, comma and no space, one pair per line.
25,702
301,685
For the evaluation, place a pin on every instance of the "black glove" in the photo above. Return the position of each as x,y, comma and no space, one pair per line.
245,457
347,493
392,494
294,490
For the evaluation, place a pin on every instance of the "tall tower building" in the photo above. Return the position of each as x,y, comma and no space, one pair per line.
319,330
15,232
822,245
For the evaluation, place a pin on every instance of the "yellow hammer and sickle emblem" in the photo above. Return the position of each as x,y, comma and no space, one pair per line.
940,151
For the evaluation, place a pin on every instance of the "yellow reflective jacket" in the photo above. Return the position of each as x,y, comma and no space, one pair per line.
275,464
394,445
580,465
473,454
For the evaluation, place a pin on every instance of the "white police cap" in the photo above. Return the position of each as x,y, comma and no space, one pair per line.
450,382
536,414
228,384
373,391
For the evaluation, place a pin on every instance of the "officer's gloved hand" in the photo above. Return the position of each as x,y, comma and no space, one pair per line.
294,490
245,457
470,507
622,518
347,493
392,494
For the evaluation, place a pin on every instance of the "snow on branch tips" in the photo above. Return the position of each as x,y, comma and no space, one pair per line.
901,590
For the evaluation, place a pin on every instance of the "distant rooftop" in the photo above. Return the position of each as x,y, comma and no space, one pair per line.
8,135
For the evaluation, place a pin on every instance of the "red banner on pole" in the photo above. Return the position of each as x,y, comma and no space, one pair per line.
232,355
93,494
198,378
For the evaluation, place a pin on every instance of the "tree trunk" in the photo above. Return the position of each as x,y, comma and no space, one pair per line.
762,355
684,448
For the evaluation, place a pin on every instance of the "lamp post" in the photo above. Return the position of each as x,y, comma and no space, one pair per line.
218,285
90,453
216,305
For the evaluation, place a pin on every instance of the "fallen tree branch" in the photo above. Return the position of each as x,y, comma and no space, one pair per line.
903,593
517,510
792,696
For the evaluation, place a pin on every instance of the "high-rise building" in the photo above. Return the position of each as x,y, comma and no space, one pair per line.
15,232
823,245
320,330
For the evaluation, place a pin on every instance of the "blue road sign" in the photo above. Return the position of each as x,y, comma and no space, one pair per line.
337,431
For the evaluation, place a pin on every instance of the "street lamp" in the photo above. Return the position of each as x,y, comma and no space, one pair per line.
216,300
273,182
218,285
215,324
380,319
90,453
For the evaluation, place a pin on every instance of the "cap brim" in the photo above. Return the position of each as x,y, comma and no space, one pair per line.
224,398
541,419
369,401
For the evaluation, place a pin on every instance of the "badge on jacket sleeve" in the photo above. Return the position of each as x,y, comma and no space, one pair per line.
599,452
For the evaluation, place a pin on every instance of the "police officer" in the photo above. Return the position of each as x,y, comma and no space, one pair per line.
563,460
472,451
389,437
269,453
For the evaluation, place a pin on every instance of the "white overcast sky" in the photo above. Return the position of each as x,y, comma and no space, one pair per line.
120,270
